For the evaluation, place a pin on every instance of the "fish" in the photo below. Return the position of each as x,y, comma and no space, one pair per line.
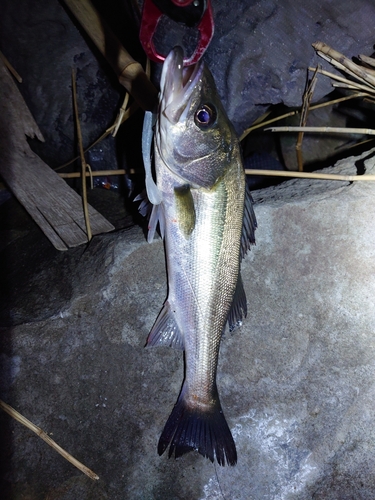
206,217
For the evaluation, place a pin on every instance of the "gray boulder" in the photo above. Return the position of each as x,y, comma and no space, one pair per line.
296,381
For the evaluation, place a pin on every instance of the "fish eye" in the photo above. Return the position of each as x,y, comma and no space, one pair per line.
205,116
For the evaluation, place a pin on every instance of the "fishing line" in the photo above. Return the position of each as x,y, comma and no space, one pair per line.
218,482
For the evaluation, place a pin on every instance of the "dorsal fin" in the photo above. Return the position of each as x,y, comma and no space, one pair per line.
238,310
249,224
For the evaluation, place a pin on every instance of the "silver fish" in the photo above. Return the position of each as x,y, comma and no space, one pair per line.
206,217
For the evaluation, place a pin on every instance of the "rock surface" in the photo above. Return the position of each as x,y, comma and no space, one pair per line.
296,381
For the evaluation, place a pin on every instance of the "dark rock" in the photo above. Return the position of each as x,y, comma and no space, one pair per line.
259,56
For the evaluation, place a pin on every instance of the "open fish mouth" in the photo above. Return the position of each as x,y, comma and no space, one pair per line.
177,84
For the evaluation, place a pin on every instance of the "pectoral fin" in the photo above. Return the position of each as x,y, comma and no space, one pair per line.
185,209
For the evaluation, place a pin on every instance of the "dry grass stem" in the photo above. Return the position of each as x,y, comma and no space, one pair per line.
89,174
307,96
335,130
339,66
120,114
308,175
257,124
23,420
100,173
83,161
274,173
128,113
359,86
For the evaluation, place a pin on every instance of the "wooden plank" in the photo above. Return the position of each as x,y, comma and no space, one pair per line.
54,206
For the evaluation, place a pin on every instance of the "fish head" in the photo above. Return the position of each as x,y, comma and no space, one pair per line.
194,137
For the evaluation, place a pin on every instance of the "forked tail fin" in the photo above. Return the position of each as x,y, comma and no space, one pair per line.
206,431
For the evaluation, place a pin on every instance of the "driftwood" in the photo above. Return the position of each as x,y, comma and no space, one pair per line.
54,206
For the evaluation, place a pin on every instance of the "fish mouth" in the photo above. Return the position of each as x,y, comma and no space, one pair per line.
177,84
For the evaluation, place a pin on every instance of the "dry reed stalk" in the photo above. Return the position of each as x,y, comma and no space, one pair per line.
367,60
340,61
339,78
335,130
273,173
11,68
257,124
307,96
83,161
98,173
89,174
128,113
120,114
309,175
43,435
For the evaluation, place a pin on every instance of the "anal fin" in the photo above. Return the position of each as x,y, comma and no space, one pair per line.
165,331
156,217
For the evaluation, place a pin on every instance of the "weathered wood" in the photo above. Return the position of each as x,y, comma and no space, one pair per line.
54,206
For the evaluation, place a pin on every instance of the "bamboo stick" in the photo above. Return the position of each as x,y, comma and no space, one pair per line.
83,161
310,175
23,420
128,71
